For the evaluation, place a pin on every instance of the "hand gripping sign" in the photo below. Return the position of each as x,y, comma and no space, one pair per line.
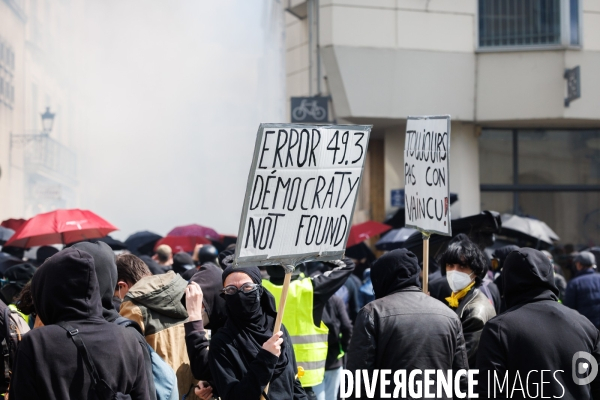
302,187
427,179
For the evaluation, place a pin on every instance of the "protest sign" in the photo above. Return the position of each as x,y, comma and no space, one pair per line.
427,174
301,192
427,179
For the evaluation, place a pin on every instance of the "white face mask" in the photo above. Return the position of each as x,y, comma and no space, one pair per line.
458,280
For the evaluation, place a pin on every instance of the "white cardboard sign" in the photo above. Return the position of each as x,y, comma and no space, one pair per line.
427,174
301,192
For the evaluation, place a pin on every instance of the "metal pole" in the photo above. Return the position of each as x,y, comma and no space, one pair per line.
314,68
515,151
318,47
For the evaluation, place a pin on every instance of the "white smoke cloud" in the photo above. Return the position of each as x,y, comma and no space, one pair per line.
174,92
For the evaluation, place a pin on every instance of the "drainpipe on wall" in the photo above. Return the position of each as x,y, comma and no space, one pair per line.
314,57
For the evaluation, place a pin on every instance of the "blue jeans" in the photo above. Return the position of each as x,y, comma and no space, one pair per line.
330,387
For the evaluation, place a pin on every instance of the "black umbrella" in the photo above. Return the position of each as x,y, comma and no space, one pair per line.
5,234
394,239
529,231
480,228
142,242
398,219
112,243
7,261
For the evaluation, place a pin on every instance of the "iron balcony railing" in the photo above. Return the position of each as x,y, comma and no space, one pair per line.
46,153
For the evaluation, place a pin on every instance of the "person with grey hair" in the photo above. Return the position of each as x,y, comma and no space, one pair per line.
583,291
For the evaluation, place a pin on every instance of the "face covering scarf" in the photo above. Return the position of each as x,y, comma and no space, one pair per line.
460,283
245,308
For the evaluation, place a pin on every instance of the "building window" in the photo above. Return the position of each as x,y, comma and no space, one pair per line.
551,175
528,24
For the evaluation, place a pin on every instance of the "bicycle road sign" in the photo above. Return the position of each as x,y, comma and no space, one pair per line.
310,109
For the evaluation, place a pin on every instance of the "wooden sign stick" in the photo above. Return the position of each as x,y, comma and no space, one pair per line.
284,292
425,262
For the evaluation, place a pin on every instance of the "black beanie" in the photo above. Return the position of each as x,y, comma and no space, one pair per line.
20,274
182,262
44,253
252,272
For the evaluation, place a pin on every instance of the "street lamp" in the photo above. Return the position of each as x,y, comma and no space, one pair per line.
47,121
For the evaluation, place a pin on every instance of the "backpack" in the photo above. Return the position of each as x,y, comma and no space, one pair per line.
101,387
165,380
15,327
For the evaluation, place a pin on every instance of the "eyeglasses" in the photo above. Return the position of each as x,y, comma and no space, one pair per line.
245,288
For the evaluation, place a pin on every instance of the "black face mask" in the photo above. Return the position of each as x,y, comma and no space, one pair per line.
244,306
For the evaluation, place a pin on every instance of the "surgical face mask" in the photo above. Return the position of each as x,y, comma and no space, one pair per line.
458,280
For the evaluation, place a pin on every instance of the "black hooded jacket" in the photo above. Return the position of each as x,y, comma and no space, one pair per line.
535,334
209,279
403,328
106,271
48,364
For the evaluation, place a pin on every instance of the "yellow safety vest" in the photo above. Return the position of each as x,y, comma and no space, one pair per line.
309,341
15,309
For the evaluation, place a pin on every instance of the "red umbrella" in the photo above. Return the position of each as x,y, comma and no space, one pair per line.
361,232
194,230
13,223
182,243
60,226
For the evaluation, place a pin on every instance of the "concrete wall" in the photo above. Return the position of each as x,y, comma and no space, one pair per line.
530,86
296,44
12,33
389,59
395,83
394,163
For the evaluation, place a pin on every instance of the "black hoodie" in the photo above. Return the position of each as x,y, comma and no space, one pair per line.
48,365
106,271
535,334
209,279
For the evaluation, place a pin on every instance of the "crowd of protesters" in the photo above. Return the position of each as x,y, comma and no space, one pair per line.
85,322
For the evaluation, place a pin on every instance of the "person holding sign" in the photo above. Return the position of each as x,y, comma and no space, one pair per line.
465,267
300,197
246,355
